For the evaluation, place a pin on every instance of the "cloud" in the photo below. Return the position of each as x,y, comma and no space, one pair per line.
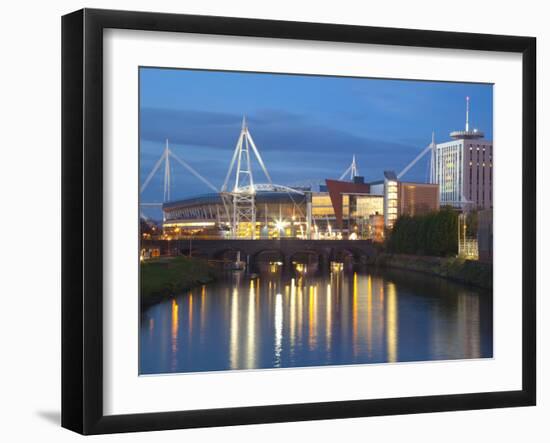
273,130
293,146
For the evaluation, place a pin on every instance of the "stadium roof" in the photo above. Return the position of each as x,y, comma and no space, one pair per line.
213,198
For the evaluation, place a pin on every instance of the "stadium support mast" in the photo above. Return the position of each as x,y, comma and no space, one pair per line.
240,199
433,147
352,170
165,157
167,172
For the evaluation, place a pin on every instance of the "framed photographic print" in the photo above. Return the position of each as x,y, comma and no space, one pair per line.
269,221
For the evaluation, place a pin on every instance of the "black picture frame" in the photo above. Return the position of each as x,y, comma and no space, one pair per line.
82,215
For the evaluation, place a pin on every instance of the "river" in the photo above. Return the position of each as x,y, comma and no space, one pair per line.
341,317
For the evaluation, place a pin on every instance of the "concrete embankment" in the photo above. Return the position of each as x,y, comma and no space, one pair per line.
471,272
166,276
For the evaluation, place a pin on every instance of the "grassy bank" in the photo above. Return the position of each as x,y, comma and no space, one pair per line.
457,269
165,276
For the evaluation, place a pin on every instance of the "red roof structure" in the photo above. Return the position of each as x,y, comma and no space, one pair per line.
337,188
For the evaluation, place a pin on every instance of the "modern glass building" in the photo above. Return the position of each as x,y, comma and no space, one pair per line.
405,198
463,168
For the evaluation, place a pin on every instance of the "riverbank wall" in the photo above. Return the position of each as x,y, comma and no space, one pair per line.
165,276
470,272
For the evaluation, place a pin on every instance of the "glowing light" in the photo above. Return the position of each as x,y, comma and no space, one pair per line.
292,314
234,330
369,315
203,311
175,323
353,236
328,332
312,316
280,225
251,329
190,314
278,328
179,224
392,323
274,266
354,312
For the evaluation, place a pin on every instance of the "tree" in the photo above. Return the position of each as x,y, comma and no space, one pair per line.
434,233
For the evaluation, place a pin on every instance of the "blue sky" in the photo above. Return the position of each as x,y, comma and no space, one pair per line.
306,127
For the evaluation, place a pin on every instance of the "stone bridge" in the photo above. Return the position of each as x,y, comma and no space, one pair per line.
284,250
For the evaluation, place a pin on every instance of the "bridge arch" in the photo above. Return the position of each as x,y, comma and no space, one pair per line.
305,260
343,255
269,260
322,251
350,254
229,254
268,255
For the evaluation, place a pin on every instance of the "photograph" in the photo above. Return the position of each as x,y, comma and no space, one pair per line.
272,222
299,220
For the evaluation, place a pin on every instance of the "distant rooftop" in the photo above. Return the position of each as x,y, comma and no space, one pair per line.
467,133
459,135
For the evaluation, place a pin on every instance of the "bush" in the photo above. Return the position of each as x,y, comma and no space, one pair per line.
435,234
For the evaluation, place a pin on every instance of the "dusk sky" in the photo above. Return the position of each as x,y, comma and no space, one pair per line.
306,127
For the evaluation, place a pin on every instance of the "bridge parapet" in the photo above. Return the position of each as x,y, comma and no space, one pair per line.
211,249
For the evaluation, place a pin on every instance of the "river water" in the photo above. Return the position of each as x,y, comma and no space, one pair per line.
349,316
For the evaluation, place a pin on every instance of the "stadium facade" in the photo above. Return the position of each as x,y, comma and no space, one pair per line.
340,209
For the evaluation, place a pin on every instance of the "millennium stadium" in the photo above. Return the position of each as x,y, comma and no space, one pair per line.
244,208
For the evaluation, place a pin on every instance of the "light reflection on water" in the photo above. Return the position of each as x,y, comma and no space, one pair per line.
353,317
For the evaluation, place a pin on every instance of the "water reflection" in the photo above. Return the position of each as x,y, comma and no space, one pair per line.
391,323
278,329
251,328
234,330
175,331
340,317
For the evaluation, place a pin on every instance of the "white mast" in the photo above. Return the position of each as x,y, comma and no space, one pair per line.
351,170
241,197
432,159
166,172
467,113
165,158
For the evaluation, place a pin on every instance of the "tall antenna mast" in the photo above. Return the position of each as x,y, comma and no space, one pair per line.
467,113
466,133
